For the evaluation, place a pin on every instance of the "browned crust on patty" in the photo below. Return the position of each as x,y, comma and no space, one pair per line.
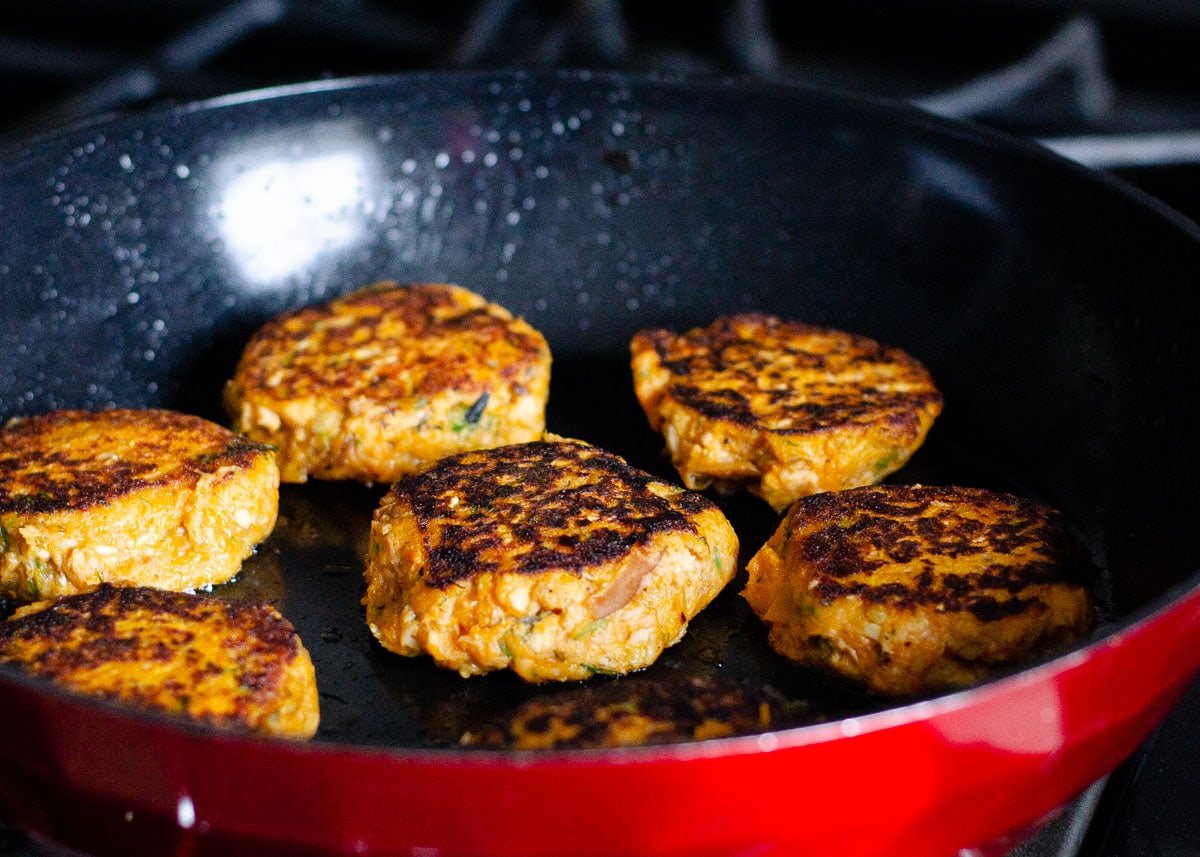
66,460
538,506
910,589
225,663
741,369
384,381
848,536
780,408
554,559
381,313
634,711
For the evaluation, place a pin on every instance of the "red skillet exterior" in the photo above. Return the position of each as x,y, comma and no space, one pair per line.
925,780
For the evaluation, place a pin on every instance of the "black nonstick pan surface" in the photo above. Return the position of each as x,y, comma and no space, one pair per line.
1054,308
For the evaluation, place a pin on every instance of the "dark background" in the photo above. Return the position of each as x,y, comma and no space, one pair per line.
1112,83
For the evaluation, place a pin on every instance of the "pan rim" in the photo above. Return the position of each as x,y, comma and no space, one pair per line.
17,157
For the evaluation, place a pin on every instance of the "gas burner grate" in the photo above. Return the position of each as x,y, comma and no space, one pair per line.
1026,67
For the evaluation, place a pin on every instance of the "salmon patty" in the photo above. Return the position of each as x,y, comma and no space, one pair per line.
781,408
554,559
634,711
230,664
151,498
384,381
910,589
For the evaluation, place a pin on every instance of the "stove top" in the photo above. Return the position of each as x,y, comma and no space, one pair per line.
1116,87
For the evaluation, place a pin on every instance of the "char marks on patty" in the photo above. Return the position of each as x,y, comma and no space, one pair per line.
380,383
744,369
635,711
230,664
851,535
538,506
780,408
551,558
337,346
265,636
133,497
910,589
67,461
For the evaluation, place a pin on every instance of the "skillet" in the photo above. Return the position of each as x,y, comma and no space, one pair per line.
1053,306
